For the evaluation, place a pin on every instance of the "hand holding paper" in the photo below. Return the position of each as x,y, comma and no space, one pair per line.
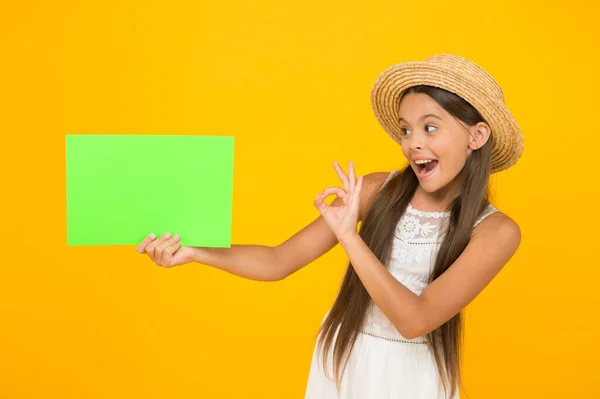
166,251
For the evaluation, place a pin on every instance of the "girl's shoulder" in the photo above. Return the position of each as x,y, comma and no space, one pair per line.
372,183
493,221
488,211
380,179
375,180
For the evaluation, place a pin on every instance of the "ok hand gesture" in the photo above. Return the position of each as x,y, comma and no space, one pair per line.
342,219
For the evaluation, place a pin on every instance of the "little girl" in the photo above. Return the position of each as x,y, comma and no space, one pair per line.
428,244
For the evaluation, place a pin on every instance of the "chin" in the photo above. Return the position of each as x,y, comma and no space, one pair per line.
429,184
430,187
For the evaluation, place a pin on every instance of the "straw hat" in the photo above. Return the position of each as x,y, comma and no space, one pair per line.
459,76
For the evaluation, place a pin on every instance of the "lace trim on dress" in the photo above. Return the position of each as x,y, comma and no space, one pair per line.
435,215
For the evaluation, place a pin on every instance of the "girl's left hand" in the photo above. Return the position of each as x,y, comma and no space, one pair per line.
342,219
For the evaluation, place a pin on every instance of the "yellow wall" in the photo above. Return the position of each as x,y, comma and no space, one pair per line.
291,81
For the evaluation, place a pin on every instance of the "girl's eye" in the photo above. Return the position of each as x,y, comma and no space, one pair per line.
404,131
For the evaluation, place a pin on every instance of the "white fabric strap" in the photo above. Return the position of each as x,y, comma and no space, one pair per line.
487,213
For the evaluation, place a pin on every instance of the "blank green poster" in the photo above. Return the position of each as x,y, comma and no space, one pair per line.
121,188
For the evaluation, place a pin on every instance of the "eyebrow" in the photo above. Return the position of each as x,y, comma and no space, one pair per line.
423,117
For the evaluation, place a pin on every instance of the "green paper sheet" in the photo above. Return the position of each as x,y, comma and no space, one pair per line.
121,188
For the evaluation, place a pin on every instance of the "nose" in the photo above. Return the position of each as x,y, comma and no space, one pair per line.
415,147
415,143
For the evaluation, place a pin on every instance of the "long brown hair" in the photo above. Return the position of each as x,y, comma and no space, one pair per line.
377,230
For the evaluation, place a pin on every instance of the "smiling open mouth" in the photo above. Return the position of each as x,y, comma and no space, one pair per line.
427,168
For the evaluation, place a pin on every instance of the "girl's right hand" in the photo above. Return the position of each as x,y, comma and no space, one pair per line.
166,251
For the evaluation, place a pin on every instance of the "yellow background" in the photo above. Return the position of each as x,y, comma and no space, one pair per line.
291,81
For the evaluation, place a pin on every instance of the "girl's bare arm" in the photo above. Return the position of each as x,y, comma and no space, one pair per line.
272,263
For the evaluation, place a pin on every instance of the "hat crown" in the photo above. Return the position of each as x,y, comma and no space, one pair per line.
476,75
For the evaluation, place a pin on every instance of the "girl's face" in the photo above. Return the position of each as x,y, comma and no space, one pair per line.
432,135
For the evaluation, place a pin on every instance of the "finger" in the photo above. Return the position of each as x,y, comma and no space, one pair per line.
359,183
341,174
355,196
320,204
140,249
351,175
167,259
160,249
151,248
334,190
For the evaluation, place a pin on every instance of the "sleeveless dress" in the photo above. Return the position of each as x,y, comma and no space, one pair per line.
383,364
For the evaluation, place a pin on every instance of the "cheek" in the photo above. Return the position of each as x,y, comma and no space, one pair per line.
456,159
405,149
453,155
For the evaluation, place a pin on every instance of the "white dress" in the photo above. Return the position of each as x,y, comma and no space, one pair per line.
383,364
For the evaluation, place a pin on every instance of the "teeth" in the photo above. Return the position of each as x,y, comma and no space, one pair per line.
422,161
